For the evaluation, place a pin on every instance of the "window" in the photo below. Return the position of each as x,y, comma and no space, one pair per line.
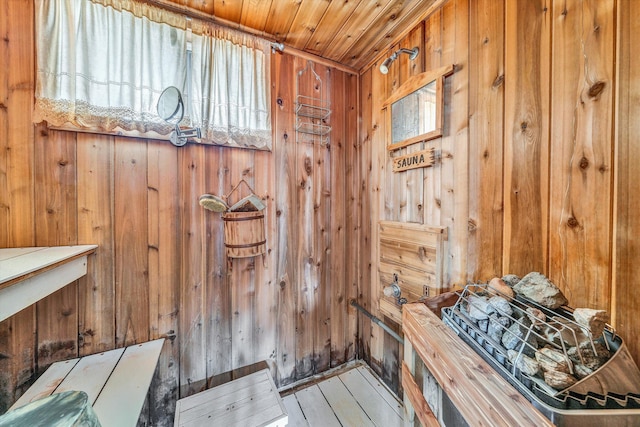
102,65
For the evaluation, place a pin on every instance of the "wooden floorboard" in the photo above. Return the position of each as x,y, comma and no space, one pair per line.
296,417
316,409
381,413
355,398
383,391
344,405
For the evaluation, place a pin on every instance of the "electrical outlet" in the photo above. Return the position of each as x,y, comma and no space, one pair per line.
425,290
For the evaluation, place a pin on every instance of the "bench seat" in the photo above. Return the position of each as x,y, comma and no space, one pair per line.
28,275
116,381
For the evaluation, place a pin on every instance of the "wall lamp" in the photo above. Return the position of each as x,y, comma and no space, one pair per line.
413,54
277,47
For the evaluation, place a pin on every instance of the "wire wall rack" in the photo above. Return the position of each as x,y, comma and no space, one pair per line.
312,111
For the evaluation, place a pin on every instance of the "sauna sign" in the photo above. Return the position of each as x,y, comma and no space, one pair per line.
419,159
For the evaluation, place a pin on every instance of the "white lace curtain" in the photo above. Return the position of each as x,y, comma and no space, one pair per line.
102,65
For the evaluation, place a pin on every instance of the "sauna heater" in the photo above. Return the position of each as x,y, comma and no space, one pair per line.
594,401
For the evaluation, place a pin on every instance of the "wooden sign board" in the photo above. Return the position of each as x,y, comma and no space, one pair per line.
419,159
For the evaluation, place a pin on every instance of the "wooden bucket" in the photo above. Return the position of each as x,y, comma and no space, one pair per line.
244,234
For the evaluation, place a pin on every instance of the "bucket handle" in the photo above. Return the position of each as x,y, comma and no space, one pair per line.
236,187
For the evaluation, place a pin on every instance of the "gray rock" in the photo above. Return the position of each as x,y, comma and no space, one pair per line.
536,316
479,308
497,326
511,279
581,371
514,337
551,359
483,325
537,287
559,380
497,286
589,359
593,320
526,364
501,305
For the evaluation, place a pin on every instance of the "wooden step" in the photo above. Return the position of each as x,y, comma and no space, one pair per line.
250,401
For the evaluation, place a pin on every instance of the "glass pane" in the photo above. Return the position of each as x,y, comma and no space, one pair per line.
415,114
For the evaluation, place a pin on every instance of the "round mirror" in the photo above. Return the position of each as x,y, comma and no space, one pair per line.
170,106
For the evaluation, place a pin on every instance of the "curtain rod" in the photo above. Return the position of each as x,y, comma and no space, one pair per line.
203,16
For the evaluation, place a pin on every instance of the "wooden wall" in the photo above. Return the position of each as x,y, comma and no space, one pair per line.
537,172
536,169
160,269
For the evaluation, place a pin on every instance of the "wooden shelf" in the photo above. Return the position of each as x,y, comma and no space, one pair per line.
28,275
479,393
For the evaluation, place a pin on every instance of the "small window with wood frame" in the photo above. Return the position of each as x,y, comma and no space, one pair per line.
415,110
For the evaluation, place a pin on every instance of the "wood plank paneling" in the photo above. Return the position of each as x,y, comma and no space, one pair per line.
365,217
285,244
18,361
539,142
323,243
526,136
377,184
304,24
362,16
254,14
412,205
164,272
242,271
219,341
281,15
130,231
306,257
352,230
432,51
96,291
432,56
394,190
486,113
266,285
403,196
56,225
455,140
16,130
337,260
331,23
581,141
345,32
161,270
17,166
625,296
288,300
224,9
192,330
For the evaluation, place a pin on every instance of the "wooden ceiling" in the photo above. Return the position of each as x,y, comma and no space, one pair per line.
348,32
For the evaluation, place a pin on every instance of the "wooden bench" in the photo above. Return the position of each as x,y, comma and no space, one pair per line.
28,275
115,381
250,401
481,396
